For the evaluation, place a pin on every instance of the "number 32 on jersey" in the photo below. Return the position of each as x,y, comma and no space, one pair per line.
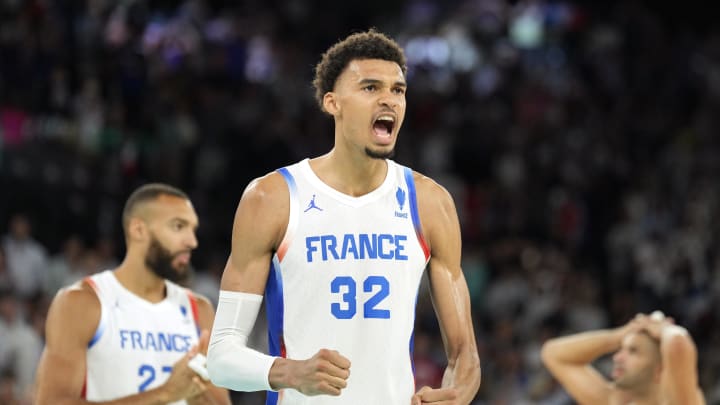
346,288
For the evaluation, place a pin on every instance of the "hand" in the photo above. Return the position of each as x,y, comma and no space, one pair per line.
438,396
183,381
324,373
636,324
655,325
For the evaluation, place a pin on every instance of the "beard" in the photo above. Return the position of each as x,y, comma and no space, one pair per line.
378,154
160,261
632,381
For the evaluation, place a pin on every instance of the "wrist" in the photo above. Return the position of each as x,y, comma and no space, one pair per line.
279,375
165,395
618,334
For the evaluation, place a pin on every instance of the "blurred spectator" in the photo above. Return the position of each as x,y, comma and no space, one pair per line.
428,368
579,143
62,266
9,394
26,259
5,281
20,346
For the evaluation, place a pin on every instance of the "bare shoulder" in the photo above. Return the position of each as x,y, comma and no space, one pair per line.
438,217
78,297
76,308
434,201
268,189
429,191
262,214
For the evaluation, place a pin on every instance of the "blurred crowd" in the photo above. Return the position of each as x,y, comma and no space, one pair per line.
577,140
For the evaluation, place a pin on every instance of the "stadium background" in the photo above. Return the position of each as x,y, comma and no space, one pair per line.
578,140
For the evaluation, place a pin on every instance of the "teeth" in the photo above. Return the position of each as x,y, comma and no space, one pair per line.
386,118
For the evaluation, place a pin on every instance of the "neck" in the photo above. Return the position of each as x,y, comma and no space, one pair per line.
640,396
135,276
351,175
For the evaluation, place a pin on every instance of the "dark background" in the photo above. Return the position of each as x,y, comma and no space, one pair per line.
579,140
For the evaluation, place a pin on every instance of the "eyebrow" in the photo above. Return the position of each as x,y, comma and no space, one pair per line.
398,83
183,221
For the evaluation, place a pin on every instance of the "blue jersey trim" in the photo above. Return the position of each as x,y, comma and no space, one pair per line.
275,308
412,197
100,330
289,179
275,314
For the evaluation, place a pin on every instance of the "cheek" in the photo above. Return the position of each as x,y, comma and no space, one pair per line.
401,110
637,363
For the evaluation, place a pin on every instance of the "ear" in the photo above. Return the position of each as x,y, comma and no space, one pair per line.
331,104
137,229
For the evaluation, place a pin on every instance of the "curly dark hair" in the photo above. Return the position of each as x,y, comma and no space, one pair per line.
362,45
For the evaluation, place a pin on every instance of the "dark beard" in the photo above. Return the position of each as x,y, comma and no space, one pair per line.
159,260
378,154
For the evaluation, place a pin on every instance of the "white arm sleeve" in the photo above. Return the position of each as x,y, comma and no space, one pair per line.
230,363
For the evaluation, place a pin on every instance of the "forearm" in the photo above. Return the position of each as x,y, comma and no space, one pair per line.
582,348
230,363
463,374
677,348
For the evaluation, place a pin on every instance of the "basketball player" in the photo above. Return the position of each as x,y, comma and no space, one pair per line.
655,362
337,245
126,336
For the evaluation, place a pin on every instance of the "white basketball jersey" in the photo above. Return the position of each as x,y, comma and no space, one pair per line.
346,277
136,342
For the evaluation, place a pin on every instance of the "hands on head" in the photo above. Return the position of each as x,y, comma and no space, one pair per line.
651,324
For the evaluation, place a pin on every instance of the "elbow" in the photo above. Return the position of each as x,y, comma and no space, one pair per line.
216,375
676,342
547,353
214,365
216,378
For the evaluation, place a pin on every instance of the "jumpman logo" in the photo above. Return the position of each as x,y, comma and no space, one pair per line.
312,205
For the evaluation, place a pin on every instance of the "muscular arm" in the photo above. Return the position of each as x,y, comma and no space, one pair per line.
679,358
449,290
71,323
258,229
569,360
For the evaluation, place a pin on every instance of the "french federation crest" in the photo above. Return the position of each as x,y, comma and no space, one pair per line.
400,196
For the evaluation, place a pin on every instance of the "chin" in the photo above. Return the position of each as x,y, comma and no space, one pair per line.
380,153
182,272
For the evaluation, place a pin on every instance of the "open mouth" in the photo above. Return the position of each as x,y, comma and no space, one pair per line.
183,258
383,125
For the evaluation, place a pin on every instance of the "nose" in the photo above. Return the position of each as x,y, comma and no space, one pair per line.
389,100
192,241
617,357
